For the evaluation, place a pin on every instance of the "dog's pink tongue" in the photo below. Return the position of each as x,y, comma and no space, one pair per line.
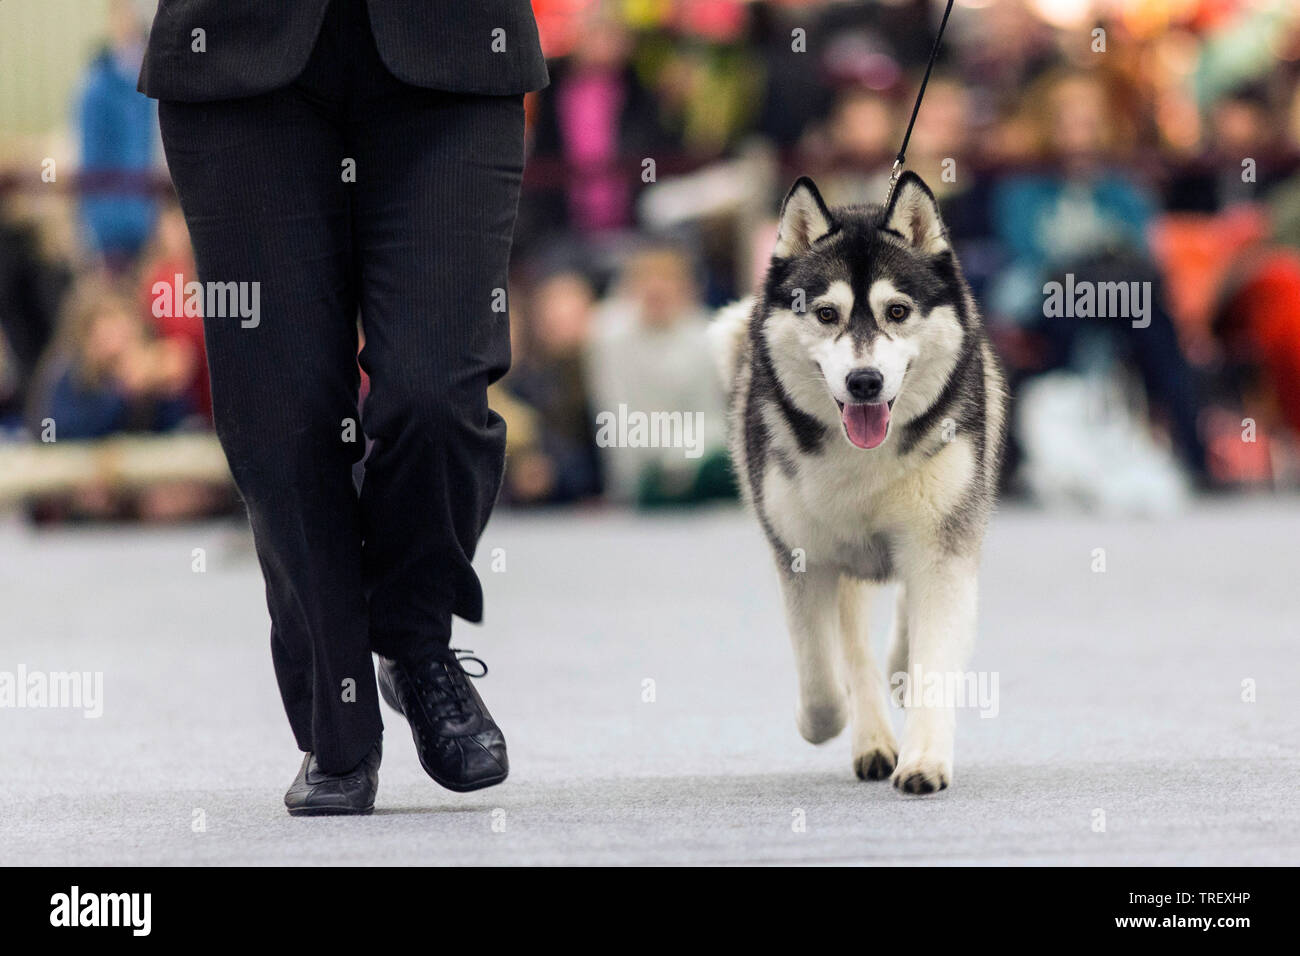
866,424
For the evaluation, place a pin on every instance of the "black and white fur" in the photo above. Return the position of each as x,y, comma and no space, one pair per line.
882,291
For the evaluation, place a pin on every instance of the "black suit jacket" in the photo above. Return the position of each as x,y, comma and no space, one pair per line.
253,46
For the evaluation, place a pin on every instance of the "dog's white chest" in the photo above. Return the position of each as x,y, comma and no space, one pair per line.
844,506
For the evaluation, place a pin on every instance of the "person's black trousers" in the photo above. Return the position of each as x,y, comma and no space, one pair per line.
419,245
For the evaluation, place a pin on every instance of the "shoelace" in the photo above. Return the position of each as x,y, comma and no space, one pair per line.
450,682
469,656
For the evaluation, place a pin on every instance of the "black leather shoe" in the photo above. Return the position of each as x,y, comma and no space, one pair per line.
315,793
459,744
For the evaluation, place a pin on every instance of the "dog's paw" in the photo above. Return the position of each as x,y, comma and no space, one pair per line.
820,722
923,774
876,764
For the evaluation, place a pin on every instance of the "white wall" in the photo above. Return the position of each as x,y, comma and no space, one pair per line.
44,47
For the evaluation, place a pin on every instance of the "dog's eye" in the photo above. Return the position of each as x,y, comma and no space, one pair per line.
827,314
898,312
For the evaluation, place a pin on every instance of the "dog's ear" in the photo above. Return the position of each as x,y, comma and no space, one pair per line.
914,214
804,219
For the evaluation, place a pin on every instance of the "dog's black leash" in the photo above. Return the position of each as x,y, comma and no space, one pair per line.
902,152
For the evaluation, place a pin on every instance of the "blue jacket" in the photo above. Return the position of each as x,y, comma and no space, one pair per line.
117,135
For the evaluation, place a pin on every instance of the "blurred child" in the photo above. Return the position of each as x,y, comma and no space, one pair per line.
650,356
105,374
560,462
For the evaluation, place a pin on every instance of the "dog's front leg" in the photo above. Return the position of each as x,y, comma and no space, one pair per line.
875,749
812,615
940,605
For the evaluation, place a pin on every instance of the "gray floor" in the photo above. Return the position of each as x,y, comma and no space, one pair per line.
1120,692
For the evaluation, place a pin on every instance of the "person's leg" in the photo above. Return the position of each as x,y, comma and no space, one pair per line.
438,178
1170,381
259,182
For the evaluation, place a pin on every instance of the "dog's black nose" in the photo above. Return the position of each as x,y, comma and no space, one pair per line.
864,384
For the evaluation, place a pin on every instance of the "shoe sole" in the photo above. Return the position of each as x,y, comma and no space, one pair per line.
386,693
330,812
465,788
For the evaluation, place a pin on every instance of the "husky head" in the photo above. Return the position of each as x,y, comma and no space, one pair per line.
866,308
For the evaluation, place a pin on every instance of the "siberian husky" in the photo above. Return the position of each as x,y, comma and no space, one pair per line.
866,415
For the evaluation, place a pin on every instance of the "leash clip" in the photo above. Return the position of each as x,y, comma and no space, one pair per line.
894,174
897,171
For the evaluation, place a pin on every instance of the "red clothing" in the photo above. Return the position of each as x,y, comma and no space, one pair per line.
180,327
1269,302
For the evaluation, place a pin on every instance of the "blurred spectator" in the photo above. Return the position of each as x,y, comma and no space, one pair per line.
859,149
650,355
104,374
1259,326
117,141
1048,157
31,286
1080,218
596,123
1284,201
557,462
1237,293
709,80
1241,130
168,264
793,91
941,151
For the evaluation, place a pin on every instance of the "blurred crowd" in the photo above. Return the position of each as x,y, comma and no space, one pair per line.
1146,141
